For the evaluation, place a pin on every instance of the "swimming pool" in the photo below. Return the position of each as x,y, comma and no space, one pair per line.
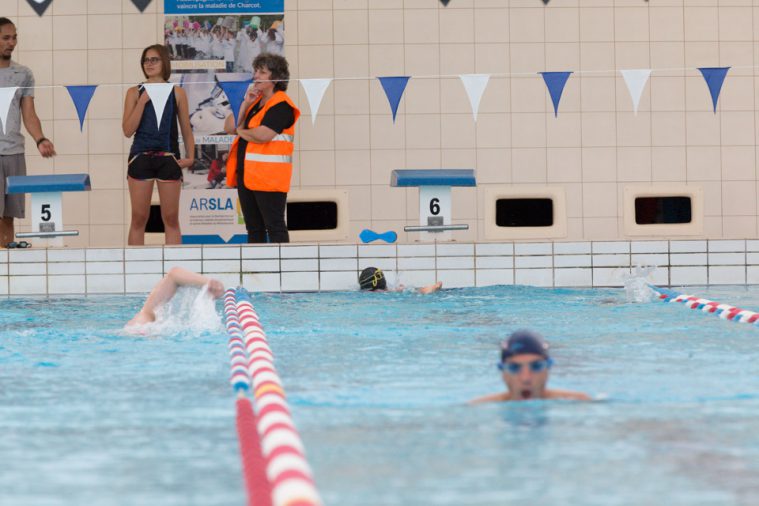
377,384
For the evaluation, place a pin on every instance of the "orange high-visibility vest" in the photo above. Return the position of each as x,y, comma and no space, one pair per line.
269,166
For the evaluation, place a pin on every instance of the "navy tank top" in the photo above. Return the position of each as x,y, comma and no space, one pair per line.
149,137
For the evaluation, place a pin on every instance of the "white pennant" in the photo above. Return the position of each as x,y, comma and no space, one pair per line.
475,85
6,97
159,94
315,89
636,80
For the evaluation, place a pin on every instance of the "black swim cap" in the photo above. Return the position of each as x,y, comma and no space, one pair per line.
372,278
523,342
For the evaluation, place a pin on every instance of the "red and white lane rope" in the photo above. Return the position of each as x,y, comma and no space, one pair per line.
724,311
286,470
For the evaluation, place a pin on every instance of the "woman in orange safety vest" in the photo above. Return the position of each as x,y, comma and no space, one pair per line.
260,162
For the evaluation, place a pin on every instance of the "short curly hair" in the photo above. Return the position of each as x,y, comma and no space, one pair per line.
278,66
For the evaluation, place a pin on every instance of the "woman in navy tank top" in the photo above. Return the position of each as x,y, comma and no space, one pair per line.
154,155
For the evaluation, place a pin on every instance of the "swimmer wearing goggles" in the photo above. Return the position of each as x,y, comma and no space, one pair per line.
525,365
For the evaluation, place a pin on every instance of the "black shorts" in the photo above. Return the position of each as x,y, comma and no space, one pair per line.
149,166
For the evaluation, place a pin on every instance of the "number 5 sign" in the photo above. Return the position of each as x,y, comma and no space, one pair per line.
47,212
435,209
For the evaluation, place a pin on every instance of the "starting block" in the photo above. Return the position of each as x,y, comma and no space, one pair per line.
47,207
434,198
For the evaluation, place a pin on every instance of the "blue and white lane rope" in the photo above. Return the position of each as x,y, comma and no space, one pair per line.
724,311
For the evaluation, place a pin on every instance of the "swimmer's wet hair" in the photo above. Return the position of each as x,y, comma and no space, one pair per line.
372,278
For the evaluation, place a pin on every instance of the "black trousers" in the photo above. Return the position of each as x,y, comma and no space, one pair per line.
264,213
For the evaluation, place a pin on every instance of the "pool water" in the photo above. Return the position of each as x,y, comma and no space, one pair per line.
378,384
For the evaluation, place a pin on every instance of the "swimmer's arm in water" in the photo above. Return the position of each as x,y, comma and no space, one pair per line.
424,289
165,289
568,395
499,397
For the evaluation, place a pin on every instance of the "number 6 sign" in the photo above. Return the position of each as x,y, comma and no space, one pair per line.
435,209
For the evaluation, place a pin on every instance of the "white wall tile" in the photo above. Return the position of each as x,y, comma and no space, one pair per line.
533,262
649,259
386,264
573,277
610,276
752,258
300,281
26,269
660,276
221,266
455,263
3,256
533,277
27,285
752,275
727,275
290,251
182,253
27,255
454,250
228,279
572,261
727,246
140,283
687,246
495,262
221,252
416,250
456,278
105,267
141,254
687,259
345,281
416,278
61,268
72,284
611,260
410,264
571,248
490,277
752,245
303,264
494,249
339,264
3,269
105,283
261,265
265,282
191,265
104,255
727,259
65,255
268,251
611,247
3,285
144,267
649,247
376,251
533,248
687,276
338,251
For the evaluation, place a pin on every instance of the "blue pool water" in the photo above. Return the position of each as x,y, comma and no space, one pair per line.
378,385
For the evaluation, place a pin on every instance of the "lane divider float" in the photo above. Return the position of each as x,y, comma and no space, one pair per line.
724,311
274,464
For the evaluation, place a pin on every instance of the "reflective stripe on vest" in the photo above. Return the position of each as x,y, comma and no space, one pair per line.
256,157
284,137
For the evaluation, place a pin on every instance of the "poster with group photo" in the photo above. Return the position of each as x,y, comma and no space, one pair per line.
210,42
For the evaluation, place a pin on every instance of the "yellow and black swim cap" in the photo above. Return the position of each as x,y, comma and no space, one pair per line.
372,278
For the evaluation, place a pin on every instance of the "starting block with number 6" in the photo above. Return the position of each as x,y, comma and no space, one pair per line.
47,207
434,198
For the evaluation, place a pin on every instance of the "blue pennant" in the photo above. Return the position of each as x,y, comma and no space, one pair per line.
141,4
555,82
235,92
714,77
81,95
39,6
394,88
370,235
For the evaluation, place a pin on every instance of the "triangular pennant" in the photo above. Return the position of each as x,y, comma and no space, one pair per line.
159,94
315,89
39,6
636,80
6,97
475,85
81,95
235,92
141,4
394,88
555,82
445,2
714,77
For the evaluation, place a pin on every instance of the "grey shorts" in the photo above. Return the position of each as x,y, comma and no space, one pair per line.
11,206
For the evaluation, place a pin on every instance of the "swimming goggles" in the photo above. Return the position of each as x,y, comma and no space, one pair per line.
535,366
20,244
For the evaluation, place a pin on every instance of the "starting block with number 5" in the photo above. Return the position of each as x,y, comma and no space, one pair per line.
434,198
47,206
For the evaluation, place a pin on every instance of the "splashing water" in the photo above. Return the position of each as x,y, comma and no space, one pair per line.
636,285
190,310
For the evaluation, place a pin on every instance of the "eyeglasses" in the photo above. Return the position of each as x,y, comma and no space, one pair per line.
535,366
20,244
151,60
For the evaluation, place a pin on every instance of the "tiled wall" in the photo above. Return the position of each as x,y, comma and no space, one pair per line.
593,148
323,267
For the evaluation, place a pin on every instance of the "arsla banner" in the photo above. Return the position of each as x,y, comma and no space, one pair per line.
200,7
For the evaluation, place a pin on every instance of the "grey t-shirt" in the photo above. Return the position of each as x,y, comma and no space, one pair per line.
11,139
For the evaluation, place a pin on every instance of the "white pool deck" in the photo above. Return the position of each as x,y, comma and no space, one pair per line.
329,267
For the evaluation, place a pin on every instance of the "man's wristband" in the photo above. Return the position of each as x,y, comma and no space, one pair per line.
42,139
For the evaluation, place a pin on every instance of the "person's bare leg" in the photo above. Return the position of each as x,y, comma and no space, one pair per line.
140,195
6,231
168,192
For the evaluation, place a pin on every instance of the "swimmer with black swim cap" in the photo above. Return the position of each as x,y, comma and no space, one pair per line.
373,279
525,364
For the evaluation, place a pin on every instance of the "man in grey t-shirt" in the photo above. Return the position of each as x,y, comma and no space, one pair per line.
11,140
